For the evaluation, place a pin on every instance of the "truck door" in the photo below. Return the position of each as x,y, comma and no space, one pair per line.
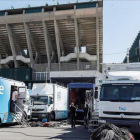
22,95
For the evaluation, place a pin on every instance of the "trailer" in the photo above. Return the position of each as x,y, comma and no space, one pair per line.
6,89
81,94
50,101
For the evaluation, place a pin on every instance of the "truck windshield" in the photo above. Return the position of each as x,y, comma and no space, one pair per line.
120,92
40,100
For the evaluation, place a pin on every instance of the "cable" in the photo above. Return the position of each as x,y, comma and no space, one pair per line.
44,136
114,53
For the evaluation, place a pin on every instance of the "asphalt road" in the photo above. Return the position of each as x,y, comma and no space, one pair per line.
43,133
15,132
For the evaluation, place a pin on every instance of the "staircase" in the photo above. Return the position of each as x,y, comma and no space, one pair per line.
93,122
18,116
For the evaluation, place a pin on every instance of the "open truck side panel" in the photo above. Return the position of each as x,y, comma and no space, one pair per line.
6,86
81,91
60,102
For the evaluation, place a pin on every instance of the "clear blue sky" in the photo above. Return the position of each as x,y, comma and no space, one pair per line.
121,24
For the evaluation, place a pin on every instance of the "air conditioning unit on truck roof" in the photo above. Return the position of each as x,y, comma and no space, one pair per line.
128,71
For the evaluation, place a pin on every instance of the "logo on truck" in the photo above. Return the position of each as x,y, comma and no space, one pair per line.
1,89
122,108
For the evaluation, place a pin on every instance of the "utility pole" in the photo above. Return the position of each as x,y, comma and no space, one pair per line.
127,55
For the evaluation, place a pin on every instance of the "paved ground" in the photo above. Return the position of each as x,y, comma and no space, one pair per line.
43,133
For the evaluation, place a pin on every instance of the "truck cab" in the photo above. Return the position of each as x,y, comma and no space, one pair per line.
42,96
119,98
50,101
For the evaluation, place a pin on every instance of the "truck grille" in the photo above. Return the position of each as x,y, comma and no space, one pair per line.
118,113
37,109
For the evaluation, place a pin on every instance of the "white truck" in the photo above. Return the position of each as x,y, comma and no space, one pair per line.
119,99
50,101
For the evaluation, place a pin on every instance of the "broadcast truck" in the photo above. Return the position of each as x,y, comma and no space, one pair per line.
6,89
81,94
50,101
119,98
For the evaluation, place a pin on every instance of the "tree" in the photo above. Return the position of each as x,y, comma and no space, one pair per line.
77,1
12,7
29,6
46,4
57,3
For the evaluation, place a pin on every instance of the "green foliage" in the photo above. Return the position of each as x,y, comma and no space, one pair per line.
77,1
12,7
46,4
57,3
29,6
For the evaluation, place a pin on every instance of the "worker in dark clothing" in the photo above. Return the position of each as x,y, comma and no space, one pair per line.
72,114
86,115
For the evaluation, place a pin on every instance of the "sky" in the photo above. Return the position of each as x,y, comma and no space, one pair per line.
6,4
121,24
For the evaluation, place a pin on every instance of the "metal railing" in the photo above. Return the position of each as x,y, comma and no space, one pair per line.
40,76
65,67
44,76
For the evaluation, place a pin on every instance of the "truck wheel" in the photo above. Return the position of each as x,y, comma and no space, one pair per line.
0,121
52,116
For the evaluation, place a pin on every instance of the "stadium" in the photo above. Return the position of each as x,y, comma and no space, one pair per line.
57,43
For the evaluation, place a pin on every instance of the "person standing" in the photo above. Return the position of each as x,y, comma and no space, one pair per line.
14,99
72,114
86,116
24,109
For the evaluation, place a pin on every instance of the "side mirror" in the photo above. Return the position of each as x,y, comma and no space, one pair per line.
96,94
96,88
32,102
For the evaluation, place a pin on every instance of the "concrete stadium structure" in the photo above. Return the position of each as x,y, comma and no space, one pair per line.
53,40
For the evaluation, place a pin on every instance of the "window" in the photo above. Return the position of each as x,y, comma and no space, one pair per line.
83,49
23,89
27,74
137,51
25,51
50,100
40,100
75,50
138,59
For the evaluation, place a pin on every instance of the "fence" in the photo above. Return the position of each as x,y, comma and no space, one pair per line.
40,76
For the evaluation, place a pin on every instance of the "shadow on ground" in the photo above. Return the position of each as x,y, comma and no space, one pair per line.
78,133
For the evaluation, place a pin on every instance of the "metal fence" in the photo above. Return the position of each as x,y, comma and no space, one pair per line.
40,76
73,66
66,66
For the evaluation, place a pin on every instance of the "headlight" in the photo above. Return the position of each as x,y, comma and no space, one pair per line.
102,121
43,115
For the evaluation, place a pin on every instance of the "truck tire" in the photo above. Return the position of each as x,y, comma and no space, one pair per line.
52,116
0,121
49,117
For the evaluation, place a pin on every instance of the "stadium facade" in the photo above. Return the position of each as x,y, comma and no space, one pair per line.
52,43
